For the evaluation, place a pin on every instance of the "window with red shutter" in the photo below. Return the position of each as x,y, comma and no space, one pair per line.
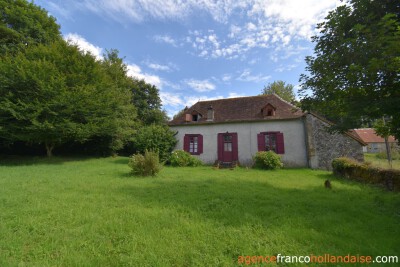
280,146
193,143
235,154
271,141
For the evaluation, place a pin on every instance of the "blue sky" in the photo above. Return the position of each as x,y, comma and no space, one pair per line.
197,50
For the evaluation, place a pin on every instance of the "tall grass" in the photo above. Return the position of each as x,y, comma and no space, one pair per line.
378,161
91,212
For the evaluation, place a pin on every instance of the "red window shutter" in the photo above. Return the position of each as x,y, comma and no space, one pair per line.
280,146
261,142
200,144
220,146
186,143
235,155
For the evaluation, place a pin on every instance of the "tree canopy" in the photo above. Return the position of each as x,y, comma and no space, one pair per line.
53,94
354,73
23,24
146,98
280,88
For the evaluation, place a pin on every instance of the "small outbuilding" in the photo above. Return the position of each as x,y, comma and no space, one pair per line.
374,142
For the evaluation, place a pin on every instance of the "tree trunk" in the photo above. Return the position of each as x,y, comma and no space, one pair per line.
49,149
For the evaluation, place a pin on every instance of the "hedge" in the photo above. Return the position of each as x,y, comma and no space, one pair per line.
364,172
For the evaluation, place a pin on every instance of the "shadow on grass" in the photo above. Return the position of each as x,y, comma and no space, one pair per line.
308,215
120,160
233,202
38,160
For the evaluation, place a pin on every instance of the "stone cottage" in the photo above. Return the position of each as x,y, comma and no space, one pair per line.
234,129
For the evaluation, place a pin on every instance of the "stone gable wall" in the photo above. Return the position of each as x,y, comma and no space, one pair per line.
323,146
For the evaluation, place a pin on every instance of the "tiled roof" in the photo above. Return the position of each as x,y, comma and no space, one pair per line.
240,109
368,135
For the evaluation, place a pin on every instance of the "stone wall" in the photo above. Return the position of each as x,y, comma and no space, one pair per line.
323,146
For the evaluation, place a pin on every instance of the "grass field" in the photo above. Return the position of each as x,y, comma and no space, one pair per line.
90,212
382,163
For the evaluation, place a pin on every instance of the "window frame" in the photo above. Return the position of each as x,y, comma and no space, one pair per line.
279,141
187,145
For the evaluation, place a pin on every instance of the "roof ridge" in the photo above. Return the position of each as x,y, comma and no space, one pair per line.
253,96
287,102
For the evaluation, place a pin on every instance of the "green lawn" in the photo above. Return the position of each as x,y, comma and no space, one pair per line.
90,212
382,163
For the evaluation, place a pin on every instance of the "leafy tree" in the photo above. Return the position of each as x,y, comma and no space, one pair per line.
180,113
145,96
23,24
354,75
154,137
147,100
53,94
280,88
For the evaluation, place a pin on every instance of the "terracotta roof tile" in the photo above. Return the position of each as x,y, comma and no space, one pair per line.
241,109
368,135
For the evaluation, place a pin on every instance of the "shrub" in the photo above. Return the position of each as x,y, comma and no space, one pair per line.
364,172
180,158
158,138
268,160
145,165
340,165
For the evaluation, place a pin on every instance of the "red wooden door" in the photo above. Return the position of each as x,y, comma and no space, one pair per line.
227,147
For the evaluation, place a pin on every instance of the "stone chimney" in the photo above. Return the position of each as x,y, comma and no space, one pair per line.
210,113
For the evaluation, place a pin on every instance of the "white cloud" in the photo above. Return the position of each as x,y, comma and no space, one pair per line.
191,100
214,40
159,67
234,31
165,39
253,61
84,45
141,10
226,77
234,95
267,23
203,53
169,99
251,27
136,72
155,66
262,23
200,85
283,68
60,10
246,76
297,17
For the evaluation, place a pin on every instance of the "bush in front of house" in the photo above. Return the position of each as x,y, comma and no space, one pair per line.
145,165
153,137
268,160
364,172
180,158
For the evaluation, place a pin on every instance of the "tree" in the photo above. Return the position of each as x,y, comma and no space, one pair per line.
53,94
154,137
354,74
145,97
23,24
280,88
147,100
